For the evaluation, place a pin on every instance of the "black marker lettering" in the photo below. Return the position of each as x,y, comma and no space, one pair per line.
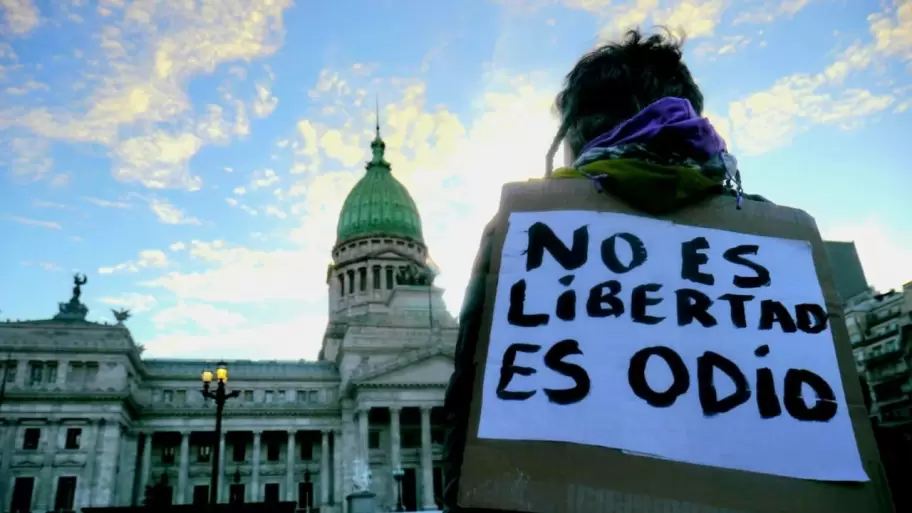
609,253
735,255
508,369
773,311
636,376
640,300
825,406
603,300
566,302
709,396
692,259
554,360
516,314
736,304
811,318
694,305
767,400
541,237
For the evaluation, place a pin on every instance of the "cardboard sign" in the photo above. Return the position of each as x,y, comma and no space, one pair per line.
691,344
695,362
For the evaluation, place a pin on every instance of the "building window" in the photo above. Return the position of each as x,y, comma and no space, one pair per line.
200,495
373,439
238,451
307,452
281,394
301,396
9,370
181,397
168,396
236,494
312,396
203,453
342,284
168,454
66,493
389,278
22,495
73,436
305,496
267,397
411,437
362,278
351,282
271,492
376,276
50,376
272,451
31,439
248,396
35,373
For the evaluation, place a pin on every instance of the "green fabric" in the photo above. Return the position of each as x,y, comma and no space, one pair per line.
651,188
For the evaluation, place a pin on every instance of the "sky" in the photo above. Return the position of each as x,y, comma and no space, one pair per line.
191,156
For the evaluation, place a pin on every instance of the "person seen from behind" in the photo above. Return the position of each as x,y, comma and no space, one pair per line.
631,122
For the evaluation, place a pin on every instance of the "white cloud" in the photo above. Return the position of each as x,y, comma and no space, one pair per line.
19,16
106,203
168,213
207,317
238,274
148,259
136,303
35,222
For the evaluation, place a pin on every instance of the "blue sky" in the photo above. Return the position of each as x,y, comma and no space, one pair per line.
191,157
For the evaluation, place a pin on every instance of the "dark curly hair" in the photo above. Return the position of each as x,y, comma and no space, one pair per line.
613,82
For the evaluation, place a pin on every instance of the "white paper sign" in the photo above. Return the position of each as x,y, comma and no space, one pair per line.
690,344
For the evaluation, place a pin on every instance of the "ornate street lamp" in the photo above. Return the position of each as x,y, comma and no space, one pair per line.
398,473
219,396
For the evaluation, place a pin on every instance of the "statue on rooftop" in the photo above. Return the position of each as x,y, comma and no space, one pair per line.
79,282
410,275
121,315
74,310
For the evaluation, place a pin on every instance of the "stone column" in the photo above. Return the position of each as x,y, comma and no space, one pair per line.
126,471
184,468
45,492
363,432
108,449
93,450
255,472
221,468
338,499
6,454
62,368
395,444
324,470
289,466
146,464
427,463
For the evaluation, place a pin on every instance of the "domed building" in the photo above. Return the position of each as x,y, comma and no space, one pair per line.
86,421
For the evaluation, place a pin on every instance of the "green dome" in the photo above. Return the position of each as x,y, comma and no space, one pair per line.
379,205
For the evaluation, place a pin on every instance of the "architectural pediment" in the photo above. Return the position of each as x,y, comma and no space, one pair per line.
423,367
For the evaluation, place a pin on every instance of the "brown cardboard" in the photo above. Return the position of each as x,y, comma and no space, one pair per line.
551,477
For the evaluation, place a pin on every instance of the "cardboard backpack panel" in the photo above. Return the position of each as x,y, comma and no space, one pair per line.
641,438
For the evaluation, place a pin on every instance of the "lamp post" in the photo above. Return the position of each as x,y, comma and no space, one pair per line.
398,472
219,396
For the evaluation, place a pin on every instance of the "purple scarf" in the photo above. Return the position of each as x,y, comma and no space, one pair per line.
671,123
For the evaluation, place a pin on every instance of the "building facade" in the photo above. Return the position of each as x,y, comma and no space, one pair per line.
85,420
880,327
